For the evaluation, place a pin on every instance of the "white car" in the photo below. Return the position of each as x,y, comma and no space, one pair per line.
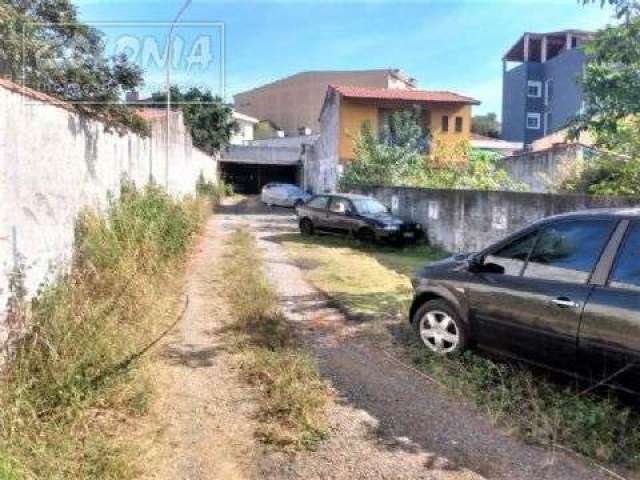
283,195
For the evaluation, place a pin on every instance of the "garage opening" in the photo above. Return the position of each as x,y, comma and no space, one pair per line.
249,178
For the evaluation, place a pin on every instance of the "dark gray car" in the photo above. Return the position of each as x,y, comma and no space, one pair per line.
363,217
563,293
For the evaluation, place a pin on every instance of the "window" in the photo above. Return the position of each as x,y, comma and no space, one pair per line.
569,251
626,273
548,91
534,89
513,256
533,121
459,123
340,205
445,123
369,206
318,202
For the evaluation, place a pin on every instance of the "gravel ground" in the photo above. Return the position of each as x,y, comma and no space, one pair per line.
389,422
200,424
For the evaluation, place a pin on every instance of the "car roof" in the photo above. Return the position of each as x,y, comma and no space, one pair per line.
631,212
350,196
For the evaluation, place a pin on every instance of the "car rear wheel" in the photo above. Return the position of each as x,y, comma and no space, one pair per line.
440,329
306,227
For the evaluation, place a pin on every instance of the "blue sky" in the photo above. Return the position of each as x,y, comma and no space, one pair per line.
445,44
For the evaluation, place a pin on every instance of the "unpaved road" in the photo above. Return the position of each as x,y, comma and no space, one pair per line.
389,422
200,425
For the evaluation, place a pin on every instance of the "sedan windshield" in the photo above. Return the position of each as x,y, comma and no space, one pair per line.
369,206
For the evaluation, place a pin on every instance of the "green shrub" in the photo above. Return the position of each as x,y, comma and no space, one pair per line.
214,192
73,370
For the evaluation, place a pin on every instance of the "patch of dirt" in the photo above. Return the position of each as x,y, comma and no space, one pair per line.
200,423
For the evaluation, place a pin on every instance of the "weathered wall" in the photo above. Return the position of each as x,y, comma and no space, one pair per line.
322,159
539,170
54,162
469,220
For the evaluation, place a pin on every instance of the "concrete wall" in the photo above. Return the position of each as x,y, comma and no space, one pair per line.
54,162
539,169
322,160
262,154
469,220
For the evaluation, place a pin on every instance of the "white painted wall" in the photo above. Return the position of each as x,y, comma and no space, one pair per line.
54,162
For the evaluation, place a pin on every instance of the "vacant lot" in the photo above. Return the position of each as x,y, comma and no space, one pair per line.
372,285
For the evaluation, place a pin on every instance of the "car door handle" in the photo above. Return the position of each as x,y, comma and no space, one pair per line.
564,302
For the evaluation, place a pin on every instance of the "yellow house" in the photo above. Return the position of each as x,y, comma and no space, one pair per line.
447,115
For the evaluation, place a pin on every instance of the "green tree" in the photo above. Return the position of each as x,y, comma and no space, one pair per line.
611,86
486,125
209,120
45,46
399,156
611,82
390,158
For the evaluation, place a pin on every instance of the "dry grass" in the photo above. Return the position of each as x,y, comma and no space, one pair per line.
294,397
75,381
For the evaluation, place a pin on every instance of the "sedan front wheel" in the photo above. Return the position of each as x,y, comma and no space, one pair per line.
440,329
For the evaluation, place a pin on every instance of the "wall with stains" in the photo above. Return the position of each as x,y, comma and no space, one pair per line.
470,220
54,162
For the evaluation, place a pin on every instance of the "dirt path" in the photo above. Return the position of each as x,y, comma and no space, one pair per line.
389,422
200,425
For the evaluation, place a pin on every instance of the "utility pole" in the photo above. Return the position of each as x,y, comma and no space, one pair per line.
169,64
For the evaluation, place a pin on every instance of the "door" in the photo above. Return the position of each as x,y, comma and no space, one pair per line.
533,309
339,220
609,340
318,211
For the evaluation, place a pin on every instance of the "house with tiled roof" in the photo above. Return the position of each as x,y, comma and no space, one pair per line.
447,115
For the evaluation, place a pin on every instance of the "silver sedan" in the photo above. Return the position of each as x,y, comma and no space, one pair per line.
283,195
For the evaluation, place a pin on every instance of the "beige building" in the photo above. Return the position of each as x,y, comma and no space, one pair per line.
294,103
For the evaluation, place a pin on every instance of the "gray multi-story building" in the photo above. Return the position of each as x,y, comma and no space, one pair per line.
541,94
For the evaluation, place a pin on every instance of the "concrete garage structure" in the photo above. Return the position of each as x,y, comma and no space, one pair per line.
248,168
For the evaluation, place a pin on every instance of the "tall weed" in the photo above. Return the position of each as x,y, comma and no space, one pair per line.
71,378
294,397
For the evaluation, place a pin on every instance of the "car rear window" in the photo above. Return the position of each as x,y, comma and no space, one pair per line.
318,202
569,251
626,273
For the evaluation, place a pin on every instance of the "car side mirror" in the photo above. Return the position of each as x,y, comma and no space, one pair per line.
492,268
349,213
477,265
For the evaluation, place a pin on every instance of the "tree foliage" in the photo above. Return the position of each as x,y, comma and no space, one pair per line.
398,156
391,157
209,120
611,82
623,8
486,125
611,86
47,48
